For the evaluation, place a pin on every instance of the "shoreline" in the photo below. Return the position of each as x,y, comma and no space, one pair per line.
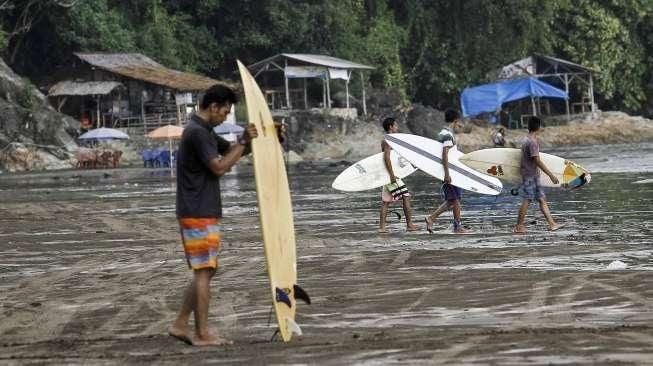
611,128
589,156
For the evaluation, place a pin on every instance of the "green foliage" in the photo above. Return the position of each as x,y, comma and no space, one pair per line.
27,95
600,37
428,50
92,25
383,45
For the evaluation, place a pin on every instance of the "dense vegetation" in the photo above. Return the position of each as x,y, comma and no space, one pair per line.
428,50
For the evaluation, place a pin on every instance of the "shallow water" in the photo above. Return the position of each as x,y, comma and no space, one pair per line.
91,271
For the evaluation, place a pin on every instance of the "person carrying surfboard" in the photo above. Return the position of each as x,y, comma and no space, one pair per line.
396,190
202,159
530,166
452,194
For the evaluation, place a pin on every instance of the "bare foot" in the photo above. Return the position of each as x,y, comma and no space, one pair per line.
428,225
412,227
461,230
181,333
210,340
383,230
555,227
519,230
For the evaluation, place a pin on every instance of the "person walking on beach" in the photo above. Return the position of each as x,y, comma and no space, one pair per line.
452,194
530,189
203,158
498,137
396,190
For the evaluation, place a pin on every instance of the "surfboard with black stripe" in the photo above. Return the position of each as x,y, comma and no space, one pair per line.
426,155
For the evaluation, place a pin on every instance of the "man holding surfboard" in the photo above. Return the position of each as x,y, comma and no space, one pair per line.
202,159
451,193
530,173
396,190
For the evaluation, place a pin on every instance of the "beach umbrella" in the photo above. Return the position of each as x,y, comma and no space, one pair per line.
104,133
167,132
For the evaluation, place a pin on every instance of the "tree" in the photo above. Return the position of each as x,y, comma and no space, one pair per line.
603,36
21,17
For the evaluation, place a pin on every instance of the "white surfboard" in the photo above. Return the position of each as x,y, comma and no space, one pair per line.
426,155
371,173
503,163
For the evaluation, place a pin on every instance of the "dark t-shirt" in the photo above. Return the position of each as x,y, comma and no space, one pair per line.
530,148
198,188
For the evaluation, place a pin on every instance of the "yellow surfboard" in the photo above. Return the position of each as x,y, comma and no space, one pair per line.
275,209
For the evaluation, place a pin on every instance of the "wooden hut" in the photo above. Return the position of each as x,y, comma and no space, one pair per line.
284,80
126,90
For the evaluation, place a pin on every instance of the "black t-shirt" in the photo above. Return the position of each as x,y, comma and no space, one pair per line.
198,189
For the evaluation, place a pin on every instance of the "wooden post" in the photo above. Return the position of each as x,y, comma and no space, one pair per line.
328,90
285,76
97,102
305,95
323,94
143,113
591,91
533,106
567,100
347,88
364,104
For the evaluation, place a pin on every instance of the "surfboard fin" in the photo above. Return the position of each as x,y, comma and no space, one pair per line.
282,296
301,294
293,327
584,179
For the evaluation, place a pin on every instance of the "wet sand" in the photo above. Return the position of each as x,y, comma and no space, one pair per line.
92,272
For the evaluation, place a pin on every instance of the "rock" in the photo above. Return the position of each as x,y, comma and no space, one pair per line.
28,120
424,121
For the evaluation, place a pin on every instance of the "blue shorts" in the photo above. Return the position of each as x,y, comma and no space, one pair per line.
451,192
531,190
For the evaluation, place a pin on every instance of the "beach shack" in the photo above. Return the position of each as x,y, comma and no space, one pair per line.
536,85
293,81
126,90
576,80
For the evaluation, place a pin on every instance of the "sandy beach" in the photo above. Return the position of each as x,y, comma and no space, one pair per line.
92,270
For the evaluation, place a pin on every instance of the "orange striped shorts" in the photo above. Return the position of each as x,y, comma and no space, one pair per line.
201,239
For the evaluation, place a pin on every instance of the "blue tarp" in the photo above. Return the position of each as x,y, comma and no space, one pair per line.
488,98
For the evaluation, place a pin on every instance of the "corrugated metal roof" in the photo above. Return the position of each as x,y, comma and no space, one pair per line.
83,88
539,65
141,67
320,60
569,64
327,61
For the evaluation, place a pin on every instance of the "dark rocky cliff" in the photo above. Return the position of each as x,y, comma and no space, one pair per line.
33,135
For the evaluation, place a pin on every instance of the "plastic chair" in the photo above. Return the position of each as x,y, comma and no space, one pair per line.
144,157
163,158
